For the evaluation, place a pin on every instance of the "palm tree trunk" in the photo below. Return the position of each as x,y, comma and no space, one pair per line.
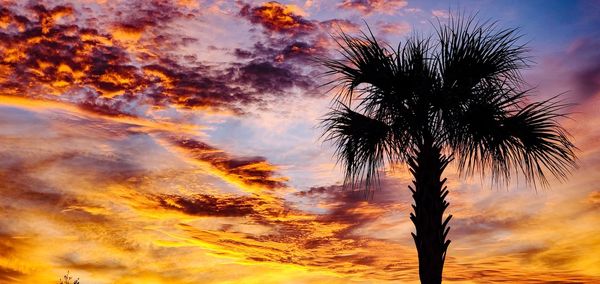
429,193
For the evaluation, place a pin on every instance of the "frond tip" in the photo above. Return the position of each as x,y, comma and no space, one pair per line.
527,139
364,60
543,144
361,144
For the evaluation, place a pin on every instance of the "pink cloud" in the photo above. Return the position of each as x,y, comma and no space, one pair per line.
367,7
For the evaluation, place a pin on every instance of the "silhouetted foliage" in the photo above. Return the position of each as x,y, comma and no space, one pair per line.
455,96
68,279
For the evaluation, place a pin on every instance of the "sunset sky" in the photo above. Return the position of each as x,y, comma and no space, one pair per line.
179,142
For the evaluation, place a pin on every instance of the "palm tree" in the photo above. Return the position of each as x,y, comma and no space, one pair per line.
453,97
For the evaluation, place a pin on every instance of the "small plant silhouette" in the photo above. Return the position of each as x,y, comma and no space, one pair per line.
68,279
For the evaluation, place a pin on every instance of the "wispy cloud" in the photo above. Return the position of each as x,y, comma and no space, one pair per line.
367,7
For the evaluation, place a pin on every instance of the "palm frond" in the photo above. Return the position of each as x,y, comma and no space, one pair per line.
414,82
362,144
543,144
462,94
472,52
364,60
502,135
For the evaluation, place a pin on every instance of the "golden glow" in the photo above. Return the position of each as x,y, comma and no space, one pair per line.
119,168
126,33
101,224
153,72
93,37
144,124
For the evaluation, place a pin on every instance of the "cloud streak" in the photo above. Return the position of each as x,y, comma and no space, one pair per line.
367,7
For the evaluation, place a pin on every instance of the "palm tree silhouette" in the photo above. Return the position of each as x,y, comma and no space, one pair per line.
428,103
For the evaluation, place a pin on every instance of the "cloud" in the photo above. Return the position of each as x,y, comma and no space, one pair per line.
268,77
413,10
282,60
109,200
102,184
367,7
336,25
283,24
140,14
594,198
252,171
572,69
440,14
280,51
210,205
584,56
402,28
101,72
278,18
356,209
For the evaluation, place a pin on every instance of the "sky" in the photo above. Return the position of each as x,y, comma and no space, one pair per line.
179,142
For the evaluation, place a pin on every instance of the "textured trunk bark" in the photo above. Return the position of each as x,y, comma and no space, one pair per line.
429,193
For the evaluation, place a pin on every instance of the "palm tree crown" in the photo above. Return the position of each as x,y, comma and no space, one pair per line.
461,93
428,103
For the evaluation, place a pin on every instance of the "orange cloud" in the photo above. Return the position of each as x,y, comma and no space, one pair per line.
124,32
103,186
252,172
277,17
110,202
50,58
139,123
594,198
